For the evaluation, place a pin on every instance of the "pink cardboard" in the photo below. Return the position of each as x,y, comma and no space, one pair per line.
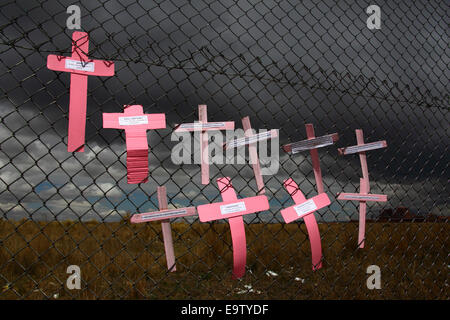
80,67
363,196
164,215
251,140
304,209
203,126
135,123
311,144
233,209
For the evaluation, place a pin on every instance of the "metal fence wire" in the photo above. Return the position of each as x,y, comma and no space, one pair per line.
282,63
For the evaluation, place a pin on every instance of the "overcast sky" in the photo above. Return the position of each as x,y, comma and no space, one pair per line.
283,63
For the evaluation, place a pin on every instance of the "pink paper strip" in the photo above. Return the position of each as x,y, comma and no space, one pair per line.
164,215
135,123
315,160
311,144
364,188
233,209
364,182
203,126
80,67
303,209
166,231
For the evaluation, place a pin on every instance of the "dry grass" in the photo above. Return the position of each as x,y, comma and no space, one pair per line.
119,260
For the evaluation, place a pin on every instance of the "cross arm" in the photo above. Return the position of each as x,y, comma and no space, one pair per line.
89,67
230,209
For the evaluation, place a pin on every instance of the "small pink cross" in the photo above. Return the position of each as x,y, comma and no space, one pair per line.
251,139
312,144
203,126
80,67
165,214
233,209
363,196
135,123
304,209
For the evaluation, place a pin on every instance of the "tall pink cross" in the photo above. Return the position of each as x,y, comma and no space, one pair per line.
363,196
312,144
135,123
233,209
304,208
251,139
80,67
165,215
203,126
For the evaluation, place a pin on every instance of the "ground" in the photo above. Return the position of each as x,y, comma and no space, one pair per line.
124,261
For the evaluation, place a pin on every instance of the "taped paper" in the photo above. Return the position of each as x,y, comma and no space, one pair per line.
305,207
232,208
131,121
79,65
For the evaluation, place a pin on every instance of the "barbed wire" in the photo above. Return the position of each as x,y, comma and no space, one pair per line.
212,67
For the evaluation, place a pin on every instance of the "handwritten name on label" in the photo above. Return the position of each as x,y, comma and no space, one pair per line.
79,65
172,213
232,208
133,120
248,140
305,207
199,125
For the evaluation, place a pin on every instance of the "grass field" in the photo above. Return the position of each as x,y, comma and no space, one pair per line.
120,260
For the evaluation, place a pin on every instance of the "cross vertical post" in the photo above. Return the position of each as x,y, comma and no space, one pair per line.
363,196
135,123
203,126
164,215
233,209
80,67
251,139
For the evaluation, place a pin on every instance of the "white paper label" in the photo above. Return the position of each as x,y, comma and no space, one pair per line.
364,147
79,65
248,140
232,208
305,207
130,121
368,197
199,125
168,214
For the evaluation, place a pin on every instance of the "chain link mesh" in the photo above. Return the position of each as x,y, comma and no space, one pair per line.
284,64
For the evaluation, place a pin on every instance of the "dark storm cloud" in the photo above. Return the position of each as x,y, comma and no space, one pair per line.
325,58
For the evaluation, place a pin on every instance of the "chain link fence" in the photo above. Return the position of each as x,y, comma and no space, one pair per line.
283,64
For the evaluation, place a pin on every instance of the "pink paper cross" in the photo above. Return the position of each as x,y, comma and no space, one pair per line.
312,144
165,214
233,209
135,123
251,139
203,126
363,196
304,209
80,67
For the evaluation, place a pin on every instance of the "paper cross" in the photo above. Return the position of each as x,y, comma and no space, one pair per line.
203,126
304,209
363,196
165,214
233,209
135,123
251,139
80,67
312,144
